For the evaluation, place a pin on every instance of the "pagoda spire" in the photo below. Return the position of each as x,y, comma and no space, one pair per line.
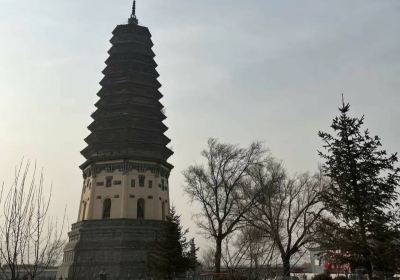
133,19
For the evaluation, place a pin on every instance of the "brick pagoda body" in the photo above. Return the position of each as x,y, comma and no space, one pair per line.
125,194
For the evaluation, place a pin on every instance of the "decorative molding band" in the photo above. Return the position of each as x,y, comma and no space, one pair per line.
126,167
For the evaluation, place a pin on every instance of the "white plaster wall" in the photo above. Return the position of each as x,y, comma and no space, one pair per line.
124,197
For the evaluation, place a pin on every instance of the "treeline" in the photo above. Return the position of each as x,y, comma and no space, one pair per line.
259,215
255,213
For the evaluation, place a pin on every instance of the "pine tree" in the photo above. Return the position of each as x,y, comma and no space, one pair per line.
192,255
362,194
169,254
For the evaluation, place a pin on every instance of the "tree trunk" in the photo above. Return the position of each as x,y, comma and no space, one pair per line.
218,254
13,274
286,265
366,253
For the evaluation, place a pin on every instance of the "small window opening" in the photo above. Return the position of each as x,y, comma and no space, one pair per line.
140,208
109,180
107,208
141,180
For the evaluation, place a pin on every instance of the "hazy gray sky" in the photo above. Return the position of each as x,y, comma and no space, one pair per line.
236,70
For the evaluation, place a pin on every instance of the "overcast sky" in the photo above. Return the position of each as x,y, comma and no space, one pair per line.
237,70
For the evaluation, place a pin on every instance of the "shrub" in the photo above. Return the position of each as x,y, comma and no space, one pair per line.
340,277
322,276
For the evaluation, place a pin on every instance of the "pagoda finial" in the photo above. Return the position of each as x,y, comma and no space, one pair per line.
134,8
133,19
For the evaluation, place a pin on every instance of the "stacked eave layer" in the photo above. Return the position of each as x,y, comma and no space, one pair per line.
128,122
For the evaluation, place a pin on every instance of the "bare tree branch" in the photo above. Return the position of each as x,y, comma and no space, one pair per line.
287,208
219,189
30,241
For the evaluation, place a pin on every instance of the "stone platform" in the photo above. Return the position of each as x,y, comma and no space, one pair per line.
109,249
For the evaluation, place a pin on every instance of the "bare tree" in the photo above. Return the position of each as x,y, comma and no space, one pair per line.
208,258
286,209
30,240
219,188
261,253
249,250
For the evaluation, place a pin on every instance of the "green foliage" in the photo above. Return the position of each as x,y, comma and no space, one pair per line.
172,254
361,197
341,277
322,276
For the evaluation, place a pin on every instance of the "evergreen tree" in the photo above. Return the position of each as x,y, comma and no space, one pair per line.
169,254
192,255
361,196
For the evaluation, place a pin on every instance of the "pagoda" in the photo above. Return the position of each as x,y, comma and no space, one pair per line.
125,192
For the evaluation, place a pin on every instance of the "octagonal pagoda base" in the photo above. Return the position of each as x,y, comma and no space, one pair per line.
109,249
